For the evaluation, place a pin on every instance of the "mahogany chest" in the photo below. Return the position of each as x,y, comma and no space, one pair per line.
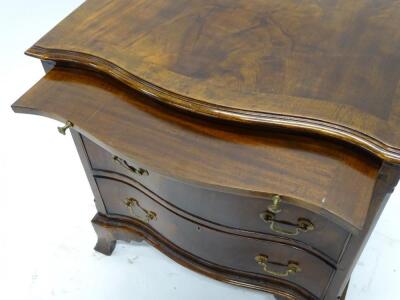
255,142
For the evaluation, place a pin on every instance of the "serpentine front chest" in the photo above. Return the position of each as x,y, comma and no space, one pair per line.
256,142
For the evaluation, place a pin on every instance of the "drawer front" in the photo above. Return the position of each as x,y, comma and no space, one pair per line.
244,213
256,256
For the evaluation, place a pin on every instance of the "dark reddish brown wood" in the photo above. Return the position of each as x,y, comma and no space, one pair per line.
247,163
331,67
105,240
128,230
343,297
235,211
83,155
387,180
322,175
194,186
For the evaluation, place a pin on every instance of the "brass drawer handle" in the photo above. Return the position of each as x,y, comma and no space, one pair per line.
292,267
303,225
64,129
123,163
274,208
145,215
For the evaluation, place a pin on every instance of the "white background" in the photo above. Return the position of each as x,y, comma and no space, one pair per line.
46,239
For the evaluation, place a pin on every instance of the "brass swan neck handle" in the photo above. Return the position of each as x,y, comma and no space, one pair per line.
292,267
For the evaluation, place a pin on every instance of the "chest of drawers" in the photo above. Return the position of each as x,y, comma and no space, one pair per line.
242,148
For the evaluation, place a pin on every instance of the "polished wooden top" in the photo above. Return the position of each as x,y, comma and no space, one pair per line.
327,177
332,67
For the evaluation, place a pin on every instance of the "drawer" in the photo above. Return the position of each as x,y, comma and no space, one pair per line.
251,214
259,257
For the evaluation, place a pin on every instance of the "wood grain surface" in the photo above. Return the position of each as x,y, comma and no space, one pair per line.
241,214
322,175
109,230
218,247
331,67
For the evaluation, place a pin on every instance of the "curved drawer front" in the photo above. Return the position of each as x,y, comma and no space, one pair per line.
256,256
239,212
